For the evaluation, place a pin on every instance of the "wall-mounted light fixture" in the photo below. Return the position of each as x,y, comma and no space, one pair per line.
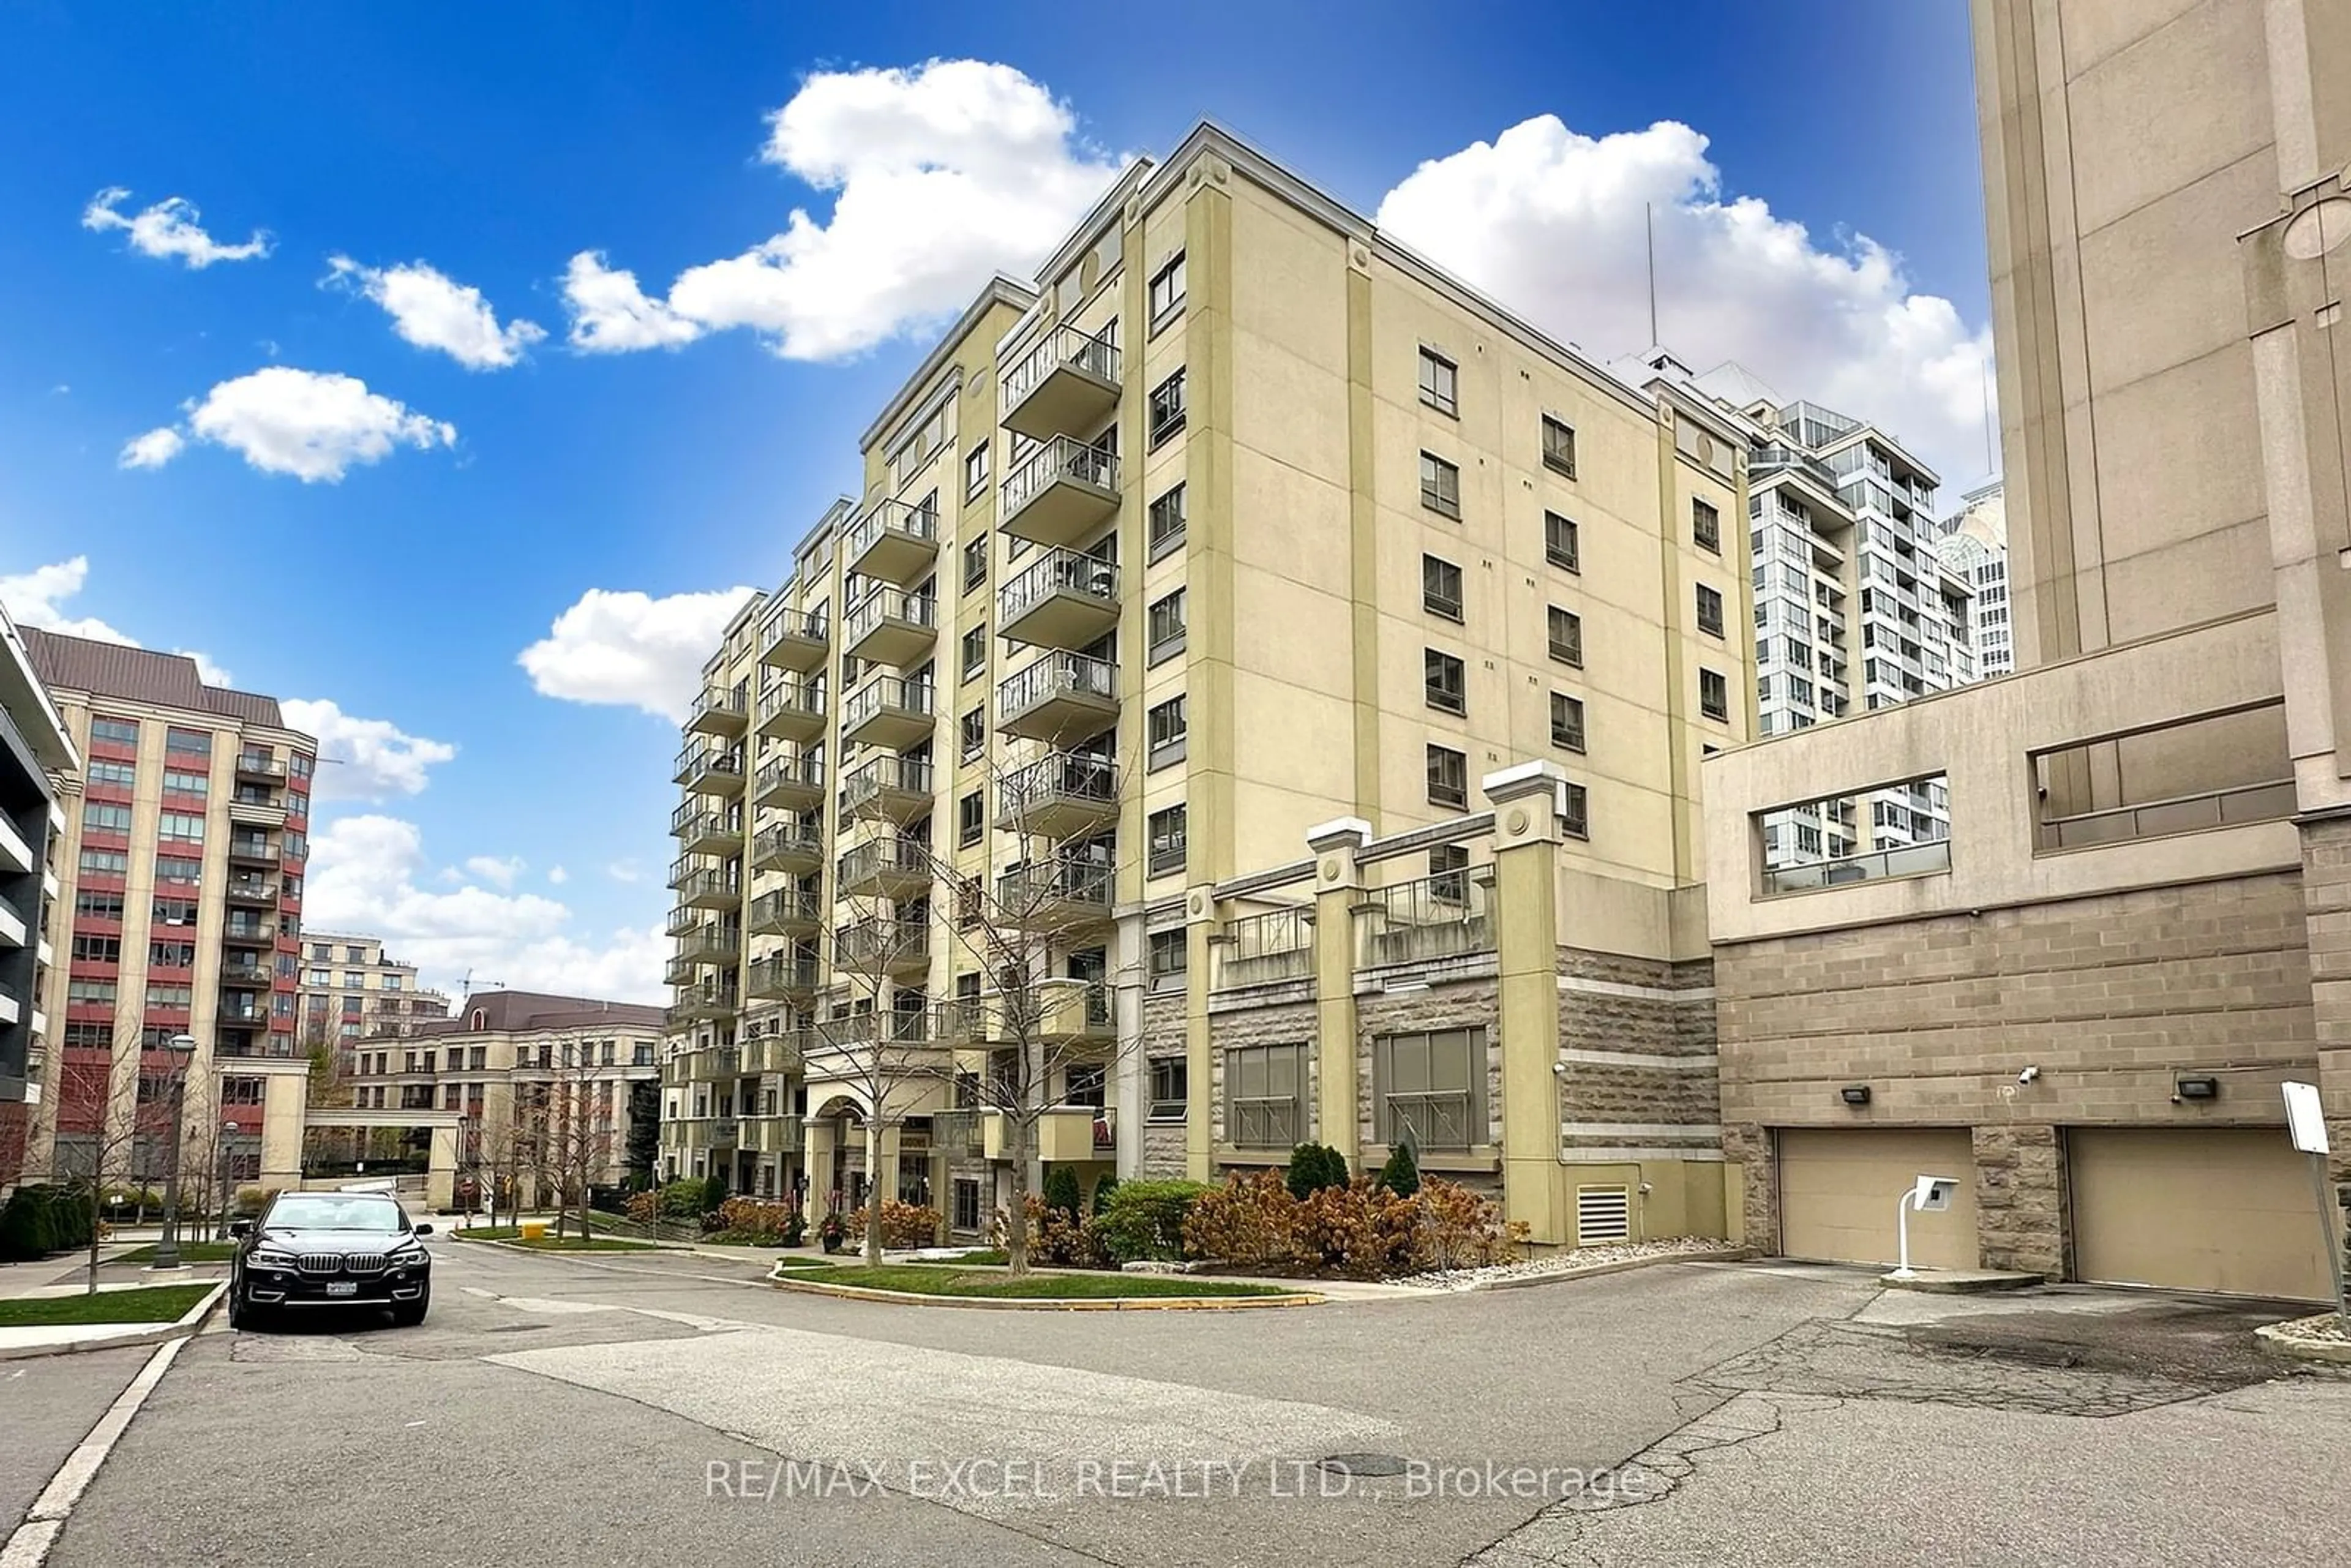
2197,1087
1855,1094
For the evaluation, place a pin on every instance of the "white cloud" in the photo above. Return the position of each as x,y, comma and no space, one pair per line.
498,873
434,311
557,875
364,758
36,598
312,425
624,870
1550,223
362,876
632,650
168,228
941,176
151,450
211,674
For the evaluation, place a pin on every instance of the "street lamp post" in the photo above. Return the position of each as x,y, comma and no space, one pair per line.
183,1048
227,1153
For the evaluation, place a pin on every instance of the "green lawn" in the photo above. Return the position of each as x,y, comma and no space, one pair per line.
190,1252
801,1261
932,1279
154,1304
981,1260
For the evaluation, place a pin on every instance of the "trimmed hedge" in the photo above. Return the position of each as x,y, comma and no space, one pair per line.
40,1220
1144,1220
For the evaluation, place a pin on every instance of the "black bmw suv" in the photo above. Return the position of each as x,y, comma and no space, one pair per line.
329,1249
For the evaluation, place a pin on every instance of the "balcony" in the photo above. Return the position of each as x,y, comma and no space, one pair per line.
789,783
244,1009
250,932
897,949
720,711
1064,491
786,912
679,971
772,1134
260,766
793,710
893,542
1066,386
1258,949
892,626
1437,916
797,848
253,891
251,852
701,833
256,813
957,1134
795,641
705,1000
1061,698
245,973
710,942
1063,1135
773,1053
1059,797
707,889
1062,1012
888,789
884,868
710,772
1065,600
1054,894
888,712
782,977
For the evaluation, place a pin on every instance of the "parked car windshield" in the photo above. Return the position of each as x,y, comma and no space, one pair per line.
328,1211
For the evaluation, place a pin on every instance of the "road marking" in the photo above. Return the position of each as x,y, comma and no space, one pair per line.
28,1547
477,1291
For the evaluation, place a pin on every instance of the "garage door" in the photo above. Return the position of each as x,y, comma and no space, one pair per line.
1838,1187
2196,1208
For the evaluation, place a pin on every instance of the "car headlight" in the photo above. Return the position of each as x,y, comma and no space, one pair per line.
268,1260
412,1256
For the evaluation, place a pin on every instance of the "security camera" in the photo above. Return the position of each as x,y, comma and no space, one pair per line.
2028,1075
1559,1069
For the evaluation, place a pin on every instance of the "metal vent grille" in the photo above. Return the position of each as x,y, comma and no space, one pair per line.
1603,1214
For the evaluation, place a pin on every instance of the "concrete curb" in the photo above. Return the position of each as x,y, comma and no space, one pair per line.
634,1245
189,1322
783,1281
2274,1340
1521,1281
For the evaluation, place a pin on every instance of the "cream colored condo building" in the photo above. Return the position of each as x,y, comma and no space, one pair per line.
1239,523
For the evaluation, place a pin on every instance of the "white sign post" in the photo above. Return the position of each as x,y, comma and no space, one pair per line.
2305,1123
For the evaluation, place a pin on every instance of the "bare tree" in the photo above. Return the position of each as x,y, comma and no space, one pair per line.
580,1130
109,1151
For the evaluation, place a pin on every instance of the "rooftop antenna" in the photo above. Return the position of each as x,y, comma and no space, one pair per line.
1649,229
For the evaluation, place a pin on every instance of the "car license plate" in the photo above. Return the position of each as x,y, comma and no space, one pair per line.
343,1287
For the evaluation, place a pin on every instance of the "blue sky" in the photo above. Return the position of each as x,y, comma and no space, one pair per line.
492,146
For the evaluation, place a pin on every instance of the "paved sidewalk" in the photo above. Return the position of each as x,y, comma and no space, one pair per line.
52,1404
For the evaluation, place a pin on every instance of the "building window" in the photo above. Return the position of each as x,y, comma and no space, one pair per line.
1444,683
185,827
1448,777
109,950
1440,587
177,782
1438,382
1574,812
1262,1087
1440,486
1165,416
1430,1088
118,731
1562,546
974,472
1709,610
1713,694
1167,292
1167,523
974,563
1171,958
1706,526
1564,629
1164,627
975,652
1167,832
1171,1088
188,742
971,818
1566,722
972,732
1559,446
1165,728
105,819
967,1203
178,868
1448,874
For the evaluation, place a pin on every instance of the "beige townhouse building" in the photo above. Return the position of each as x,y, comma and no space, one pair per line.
1237,521
350,990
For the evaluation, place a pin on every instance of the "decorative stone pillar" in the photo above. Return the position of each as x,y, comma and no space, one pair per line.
1526,801
1199,1055
817,1138
1338,888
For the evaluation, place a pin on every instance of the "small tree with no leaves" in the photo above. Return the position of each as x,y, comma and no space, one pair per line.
108,1149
